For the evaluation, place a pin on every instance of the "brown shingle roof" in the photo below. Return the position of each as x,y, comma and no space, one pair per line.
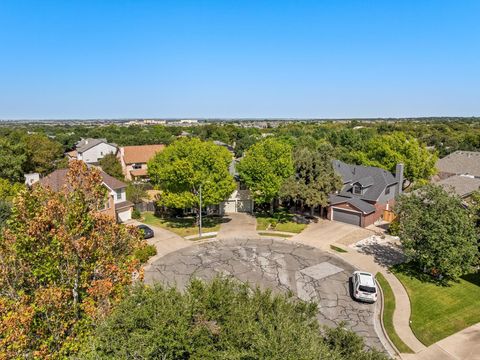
460,162
57,179
141,153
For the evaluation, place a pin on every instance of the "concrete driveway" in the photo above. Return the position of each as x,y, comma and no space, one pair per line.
280,265
323,233
238,226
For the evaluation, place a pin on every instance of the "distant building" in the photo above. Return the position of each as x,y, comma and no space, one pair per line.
31,178
134,160
116,205
91,151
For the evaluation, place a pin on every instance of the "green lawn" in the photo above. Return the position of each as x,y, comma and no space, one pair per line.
338,249
388,309
182,226
439,311
280,221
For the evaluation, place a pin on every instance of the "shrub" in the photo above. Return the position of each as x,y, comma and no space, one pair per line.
219,320
136,214
143,254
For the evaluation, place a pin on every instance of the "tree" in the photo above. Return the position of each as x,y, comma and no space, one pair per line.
41,153
12,160
314,177
218,320
386,151
180,170
265,167
437,232
62,266
7,192
111,165
136,192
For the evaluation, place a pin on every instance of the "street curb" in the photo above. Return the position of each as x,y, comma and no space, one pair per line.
385,334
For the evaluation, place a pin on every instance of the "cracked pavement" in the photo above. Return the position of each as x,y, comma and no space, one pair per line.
277,265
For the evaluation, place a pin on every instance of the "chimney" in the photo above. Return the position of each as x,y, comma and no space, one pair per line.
399,178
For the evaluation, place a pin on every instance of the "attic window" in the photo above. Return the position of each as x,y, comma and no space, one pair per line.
387,190
357,189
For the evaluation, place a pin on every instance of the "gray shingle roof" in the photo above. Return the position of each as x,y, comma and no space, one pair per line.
361,205
461,185
85,144
460,162
376,178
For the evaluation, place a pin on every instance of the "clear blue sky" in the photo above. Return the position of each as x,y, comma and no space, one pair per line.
139,58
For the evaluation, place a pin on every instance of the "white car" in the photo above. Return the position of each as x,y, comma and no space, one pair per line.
364,286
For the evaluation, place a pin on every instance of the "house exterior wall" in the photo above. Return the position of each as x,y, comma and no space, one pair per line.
366,219
238,201
130,167
123,195
385,198
109,208
94,154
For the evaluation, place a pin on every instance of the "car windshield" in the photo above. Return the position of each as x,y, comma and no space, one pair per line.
368,289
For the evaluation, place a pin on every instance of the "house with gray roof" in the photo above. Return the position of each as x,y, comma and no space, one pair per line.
459,173
91,151
366,194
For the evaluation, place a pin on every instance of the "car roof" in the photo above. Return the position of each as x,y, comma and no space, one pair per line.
366,278
143,226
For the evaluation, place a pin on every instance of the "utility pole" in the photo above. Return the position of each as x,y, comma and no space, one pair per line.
200,218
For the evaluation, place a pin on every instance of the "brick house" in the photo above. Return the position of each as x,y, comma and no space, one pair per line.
366,194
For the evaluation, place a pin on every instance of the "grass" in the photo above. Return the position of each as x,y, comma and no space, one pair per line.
388,309
184,226
203,237
440,310
266,233
338,249
279,221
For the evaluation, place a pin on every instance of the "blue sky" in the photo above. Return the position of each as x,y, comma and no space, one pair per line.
139,58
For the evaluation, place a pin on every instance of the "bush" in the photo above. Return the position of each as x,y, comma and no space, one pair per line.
145,253
136,214
219,320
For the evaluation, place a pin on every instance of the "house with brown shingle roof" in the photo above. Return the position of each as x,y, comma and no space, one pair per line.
117,206
134,159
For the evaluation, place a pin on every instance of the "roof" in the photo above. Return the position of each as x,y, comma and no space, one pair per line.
139,172
375,180
460,162
85,144
123,205
141,153
461,185
357,203
57,179
366,279
72,154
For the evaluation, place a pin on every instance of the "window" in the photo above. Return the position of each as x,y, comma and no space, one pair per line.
137,166
357,189
119,194
387,190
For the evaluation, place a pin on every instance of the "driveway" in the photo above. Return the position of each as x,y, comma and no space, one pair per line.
280,265
239,226
323,233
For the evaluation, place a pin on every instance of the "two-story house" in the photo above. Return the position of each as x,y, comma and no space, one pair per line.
134,160
366,194
117,206
91,151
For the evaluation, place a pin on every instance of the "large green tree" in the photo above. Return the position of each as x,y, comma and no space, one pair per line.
41,153
265,168
62,266
219,320
314,177
187,164
437,232
386,151
111,165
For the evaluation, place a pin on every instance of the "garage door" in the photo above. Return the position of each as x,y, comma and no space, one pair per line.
229,206
244,205
348,217
124,215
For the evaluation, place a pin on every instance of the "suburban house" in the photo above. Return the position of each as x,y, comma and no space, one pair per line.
459,173
367,195
117,206
91,151
134,160
240,200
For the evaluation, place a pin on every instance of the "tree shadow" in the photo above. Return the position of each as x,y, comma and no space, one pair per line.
472,278
385,254
188,222
413,270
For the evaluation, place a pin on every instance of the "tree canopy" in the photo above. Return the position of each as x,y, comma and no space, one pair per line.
314,177
62,266
265,167
219,320
437,232
386,151
111,165
180,170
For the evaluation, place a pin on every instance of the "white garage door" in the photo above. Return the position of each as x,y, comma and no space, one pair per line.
345,216
229,206
124,215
